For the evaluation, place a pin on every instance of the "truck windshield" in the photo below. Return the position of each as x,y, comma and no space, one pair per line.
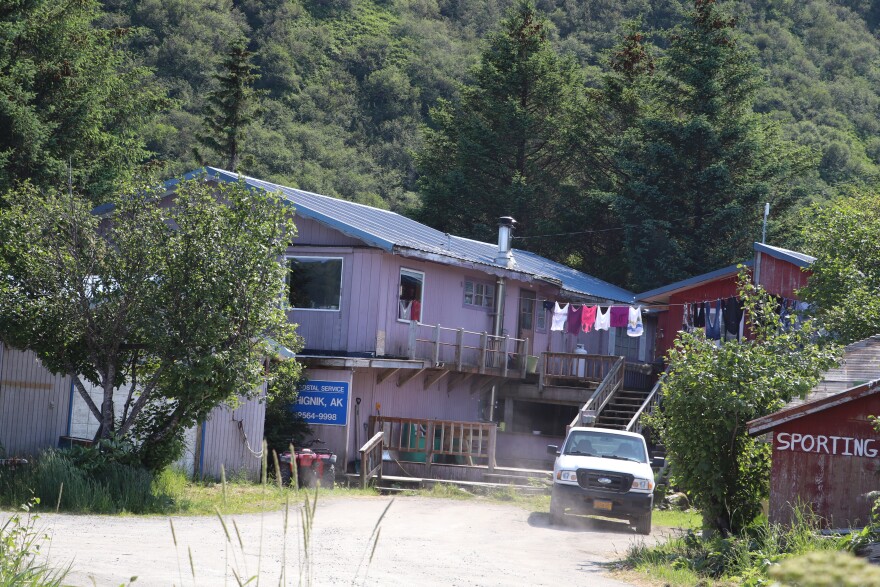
608,446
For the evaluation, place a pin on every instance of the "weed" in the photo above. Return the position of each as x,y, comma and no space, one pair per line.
20,544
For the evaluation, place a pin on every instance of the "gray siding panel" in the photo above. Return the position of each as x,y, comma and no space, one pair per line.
34,404
224,444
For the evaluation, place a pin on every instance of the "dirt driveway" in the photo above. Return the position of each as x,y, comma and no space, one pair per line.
423,541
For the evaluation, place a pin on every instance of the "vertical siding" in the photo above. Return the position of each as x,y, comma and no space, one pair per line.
34,404
835,486
364,301
782,278
224,444
311,232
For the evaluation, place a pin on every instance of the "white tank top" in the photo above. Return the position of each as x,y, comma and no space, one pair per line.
603,321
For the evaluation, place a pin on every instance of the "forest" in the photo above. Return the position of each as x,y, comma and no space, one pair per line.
656,129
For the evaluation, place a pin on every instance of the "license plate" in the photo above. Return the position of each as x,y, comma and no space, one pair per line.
600,504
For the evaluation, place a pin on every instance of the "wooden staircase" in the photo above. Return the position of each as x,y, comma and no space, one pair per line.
621,408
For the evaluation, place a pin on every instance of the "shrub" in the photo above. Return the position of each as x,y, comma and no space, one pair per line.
19,545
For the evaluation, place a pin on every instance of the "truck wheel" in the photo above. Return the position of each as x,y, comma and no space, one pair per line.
643,524
329,478
557,512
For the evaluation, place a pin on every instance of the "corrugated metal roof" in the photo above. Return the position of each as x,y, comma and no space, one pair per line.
793,257
392,232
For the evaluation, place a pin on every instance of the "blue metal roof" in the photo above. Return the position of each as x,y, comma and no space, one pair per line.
795,258
395,233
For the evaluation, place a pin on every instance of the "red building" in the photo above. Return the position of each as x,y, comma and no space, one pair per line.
825,450
780,271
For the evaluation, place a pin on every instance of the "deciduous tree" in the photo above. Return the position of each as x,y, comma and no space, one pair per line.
172,302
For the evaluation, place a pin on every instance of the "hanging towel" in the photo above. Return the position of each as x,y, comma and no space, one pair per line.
634,325
700,315
619,316
603,321
713,329
575,315
588,318
559,317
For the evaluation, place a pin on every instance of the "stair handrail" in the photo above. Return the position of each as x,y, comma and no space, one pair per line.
612,382
371,458
648,406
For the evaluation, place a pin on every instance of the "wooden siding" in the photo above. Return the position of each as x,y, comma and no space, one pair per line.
34,404
780,277
833,485
312,232
224,443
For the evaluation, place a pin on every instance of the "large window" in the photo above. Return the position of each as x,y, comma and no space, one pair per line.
315,282
409,302
479,294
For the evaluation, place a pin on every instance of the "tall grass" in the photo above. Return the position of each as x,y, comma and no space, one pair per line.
744,559
20,545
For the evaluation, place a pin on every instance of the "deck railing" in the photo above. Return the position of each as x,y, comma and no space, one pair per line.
371,459
612,382
472,443
574,368
465,349
652,401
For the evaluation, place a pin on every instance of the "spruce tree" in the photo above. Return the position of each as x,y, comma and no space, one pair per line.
507,147
697,164
232,106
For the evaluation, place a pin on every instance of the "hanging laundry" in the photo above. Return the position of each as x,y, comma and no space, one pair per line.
733,315
548,305
560,314
634,324
619,316
713,329
603,321
574,318
699,315
404,309
588,318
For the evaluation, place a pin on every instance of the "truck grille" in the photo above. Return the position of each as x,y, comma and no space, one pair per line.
616,482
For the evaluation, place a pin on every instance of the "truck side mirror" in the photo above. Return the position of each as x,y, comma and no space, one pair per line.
552,449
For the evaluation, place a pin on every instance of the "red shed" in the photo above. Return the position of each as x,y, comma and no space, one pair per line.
825,451
780,271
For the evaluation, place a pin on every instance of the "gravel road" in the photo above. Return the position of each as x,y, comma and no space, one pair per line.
423,541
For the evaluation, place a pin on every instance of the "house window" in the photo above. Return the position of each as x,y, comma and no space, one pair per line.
410,297
315,282
479,294
625,345
540,316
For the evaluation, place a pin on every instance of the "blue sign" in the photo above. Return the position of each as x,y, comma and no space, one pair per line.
323,402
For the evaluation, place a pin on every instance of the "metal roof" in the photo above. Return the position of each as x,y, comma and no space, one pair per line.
398,234
661,294
795,258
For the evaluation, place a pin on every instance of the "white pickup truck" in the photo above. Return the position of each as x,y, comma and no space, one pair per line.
603,472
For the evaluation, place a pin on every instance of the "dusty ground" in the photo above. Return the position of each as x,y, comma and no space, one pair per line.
423,541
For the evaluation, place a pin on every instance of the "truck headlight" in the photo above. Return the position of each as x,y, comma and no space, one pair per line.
643,484
566,476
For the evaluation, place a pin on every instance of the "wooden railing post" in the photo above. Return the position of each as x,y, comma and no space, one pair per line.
436,345
459,349
484,339
524,358
429,448
504,344
411,343
493,439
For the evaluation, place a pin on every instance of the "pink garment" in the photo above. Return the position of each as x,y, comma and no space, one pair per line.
574,318
588,318
619,316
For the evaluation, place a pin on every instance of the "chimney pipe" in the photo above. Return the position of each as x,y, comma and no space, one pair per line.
506,224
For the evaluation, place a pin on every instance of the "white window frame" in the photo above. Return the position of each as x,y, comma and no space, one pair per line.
341,260
488,294
413,273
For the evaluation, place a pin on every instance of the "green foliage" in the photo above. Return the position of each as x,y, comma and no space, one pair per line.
69,95
696,162
826,569
83,481
174,302
710,393
20,545
231,107
845,280
283,426
745,558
